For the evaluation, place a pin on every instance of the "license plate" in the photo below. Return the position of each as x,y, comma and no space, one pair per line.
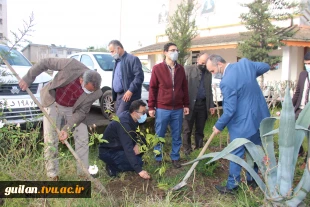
17,103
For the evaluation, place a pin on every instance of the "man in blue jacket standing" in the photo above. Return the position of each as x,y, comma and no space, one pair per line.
244,107
127,77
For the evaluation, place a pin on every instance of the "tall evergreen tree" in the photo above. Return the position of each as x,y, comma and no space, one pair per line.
264,36
182,28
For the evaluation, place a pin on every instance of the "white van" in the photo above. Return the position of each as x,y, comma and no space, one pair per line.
16,106
103,63
217,94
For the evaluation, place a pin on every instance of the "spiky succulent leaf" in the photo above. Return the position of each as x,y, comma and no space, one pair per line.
286,146
303,187
266,126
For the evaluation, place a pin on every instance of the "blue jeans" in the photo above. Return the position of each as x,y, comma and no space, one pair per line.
235,169
121,105
117,161
174,118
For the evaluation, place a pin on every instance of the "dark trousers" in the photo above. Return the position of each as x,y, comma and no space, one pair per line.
121,105
117,161
199,117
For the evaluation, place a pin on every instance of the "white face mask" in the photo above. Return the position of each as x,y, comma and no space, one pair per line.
115,55
174,55
307,67
217,75
85,89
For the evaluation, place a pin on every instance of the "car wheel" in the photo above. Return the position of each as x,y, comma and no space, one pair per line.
107,104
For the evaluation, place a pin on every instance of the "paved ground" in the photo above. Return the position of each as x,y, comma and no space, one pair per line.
95,117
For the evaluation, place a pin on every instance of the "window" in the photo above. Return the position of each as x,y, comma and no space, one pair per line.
105,61
15,57
0,21
86,60
1,36
54,51
76,57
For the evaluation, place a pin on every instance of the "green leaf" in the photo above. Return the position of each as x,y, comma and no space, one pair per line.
115,118
142,148
273,132
162,140
104,140
231,147
234,158
147,130
157,152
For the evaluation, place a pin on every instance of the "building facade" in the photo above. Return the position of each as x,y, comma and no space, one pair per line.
219,28
3,21
37,52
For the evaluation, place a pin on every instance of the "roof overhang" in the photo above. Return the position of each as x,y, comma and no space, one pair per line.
297,43
300,38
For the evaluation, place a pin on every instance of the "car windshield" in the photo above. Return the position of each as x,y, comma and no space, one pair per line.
105,61
14,57
145,69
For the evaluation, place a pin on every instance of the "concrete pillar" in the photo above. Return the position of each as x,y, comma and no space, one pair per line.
298,64
151,61
285,75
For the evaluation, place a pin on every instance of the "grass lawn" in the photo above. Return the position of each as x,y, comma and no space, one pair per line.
128,189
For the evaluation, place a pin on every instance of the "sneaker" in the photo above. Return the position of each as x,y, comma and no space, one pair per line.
176,163
109,171
225,190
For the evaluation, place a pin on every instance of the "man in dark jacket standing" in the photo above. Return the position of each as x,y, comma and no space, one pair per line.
169,95
301,95
127,77
200,101
121,153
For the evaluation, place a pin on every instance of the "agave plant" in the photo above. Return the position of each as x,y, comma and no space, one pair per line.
277,177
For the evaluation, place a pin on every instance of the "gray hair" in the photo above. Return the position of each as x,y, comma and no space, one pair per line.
215,59
93,77
116,43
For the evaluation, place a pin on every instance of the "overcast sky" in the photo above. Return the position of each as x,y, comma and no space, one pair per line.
73,23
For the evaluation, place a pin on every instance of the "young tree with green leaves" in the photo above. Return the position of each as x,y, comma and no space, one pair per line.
182,28
264,36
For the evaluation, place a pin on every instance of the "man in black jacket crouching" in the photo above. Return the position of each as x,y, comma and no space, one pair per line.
121,153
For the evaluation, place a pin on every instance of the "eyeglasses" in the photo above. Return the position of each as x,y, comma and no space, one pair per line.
174,50
141,112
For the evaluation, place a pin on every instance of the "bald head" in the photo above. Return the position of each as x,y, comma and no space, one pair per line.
202,59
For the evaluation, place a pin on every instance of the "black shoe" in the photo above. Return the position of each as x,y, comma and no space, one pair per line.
109,171
252,184
187,152
225,190
176,163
